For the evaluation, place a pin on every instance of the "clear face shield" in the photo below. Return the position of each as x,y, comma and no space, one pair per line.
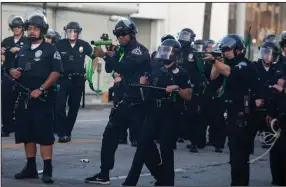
71,34
267,55
164,54
185,36
198,48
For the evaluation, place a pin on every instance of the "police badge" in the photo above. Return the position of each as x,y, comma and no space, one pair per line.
175,71
80,49
190,57
38,54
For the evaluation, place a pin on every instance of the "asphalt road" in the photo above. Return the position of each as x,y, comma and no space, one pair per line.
205,168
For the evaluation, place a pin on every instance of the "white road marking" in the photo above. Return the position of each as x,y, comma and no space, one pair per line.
91,120
144,174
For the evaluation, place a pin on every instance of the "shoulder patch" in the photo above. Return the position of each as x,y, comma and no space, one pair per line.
241,64
57,55
137,51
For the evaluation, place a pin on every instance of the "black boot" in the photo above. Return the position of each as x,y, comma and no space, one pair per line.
29,171
48,172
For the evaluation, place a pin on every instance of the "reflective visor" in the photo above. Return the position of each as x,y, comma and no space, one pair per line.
72,34
185,36
266,54
198,47
164,52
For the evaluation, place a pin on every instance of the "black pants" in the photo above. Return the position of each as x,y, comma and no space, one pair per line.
160,123
278,158
8,98
194,121
71,91
34,120
131,112
240,141
217,128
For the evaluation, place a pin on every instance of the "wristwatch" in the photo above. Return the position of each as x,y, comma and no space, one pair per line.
41,89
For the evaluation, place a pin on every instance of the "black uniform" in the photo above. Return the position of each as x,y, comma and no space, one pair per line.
34,116
8,96
278,151
161,120
241,80
134,63
267,78
193,107
71,83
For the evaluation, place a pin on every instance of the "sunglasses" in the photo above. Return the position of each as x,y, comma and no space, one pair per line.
118,34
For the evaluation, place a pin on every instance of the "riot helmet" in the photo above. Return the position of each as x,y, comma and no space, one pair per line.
125,26
233,42
270,37
53,36
186,37
167,36
283,39
39,21
199,46
72,30
169,51
269,52
16,21
209,45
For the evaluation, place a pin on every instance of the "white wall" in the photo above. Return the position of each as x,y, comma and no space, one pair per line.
219,20
173,17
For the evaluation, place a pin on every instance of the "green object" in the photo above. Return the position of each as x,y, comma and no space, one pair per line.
99,43
56,87
248,42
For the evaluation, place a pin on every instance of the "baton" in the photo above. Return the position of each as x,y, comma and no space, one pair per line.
20,85
148,86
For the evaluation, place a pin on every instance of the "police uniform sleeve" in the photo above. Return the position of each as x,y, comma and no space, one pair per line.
111,61
56,62
239,70
89,51
185,81
136,57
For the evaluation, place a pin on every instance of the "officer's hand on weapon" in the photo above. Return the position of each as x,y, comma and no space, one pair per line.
3,50
170,89
259,102
14,49
117,77
143,80
208,57
36,93
15,73
110,53
98,52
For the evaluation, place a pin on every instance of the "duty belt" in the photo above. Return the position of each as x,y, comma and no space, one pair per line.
28,97
70,75
163,102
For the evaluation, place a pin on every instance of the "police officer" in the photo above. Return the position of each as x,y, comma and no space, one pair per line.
240,77
73,52
52,36
10,47
131,65
156,66
278,151
268,73
282,58
189,63
36,67
161,117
